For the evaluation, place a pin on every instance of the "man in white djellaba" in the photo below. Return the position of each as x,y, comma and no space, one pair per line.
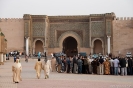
16,69
38,68
47,67
53,64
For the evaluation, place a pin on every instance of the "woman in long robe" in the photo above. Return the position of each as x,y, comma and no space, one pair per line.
38,68
16,69
106,67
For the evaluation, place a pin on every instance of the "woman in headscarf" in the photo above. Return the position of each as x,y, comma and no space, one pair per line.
16,69
38,68
106,67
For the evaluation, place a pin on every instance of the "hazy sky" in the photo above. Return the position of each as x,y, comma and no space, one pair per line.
16,8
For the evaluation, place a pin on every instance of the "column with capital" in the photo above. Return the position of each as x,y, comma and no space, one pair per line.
4,57
27,46
46,35
1,58
108,44
45,49
33,50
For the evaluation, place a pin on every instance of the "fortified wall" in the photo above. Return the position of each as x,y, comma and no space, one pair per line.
13,28
122,35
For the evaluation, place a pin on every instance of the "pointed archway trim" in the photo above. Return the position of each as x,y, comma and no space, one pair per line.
70,46
68,34
34,44
92,47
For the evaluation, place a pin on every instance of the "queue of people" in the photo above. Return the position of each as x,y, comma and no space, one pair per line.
101,66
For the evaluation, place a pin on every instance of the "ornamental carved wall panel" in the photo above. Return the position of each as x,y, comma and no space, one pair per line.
39,38
108,27
35,39
97,29
79,32
82,29
97,19
26,27
38,29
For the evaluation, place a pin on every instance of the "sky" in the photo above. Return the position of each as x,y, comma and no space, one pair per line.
17,8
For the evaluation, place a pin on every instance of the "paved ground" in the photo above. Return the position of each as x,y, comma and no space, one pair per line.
60,80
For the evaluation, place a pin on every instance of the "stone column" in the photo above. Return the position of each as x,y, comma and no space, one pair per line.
1,58
46,36
27,45
33,50
108,40
45,50
92,49
90,31
103,49
4,57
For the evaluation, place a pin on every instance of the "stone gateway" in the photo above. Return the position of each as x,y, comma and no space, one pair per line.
94,33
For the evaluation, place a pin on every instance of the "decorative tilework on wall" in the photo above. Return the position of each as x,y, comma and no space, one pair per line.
108,28
26,29
97,29
63,27
38,28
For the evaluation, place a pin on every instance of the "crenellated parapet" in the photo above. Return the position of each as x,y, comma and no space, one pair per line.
112,14
97,14
39,16
11,19
124,18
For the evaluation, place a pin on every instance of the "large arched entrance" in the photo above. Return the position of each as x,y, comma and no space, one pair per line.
70,46
98,46
38,46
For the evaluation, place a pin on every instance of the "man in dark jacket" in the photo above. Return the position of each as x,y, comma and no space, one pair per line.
59,64
101,66
75,64
130,65
123,66
15,58
86,67
79,65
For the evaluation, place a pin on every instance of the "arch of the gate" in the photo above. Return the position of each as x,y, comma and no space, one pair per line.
92,47
34,44
72,34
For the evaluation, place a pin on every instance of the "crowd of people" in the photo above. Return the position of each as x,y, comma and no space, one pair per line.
39,66
78,65
101,66
46,66
13,53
